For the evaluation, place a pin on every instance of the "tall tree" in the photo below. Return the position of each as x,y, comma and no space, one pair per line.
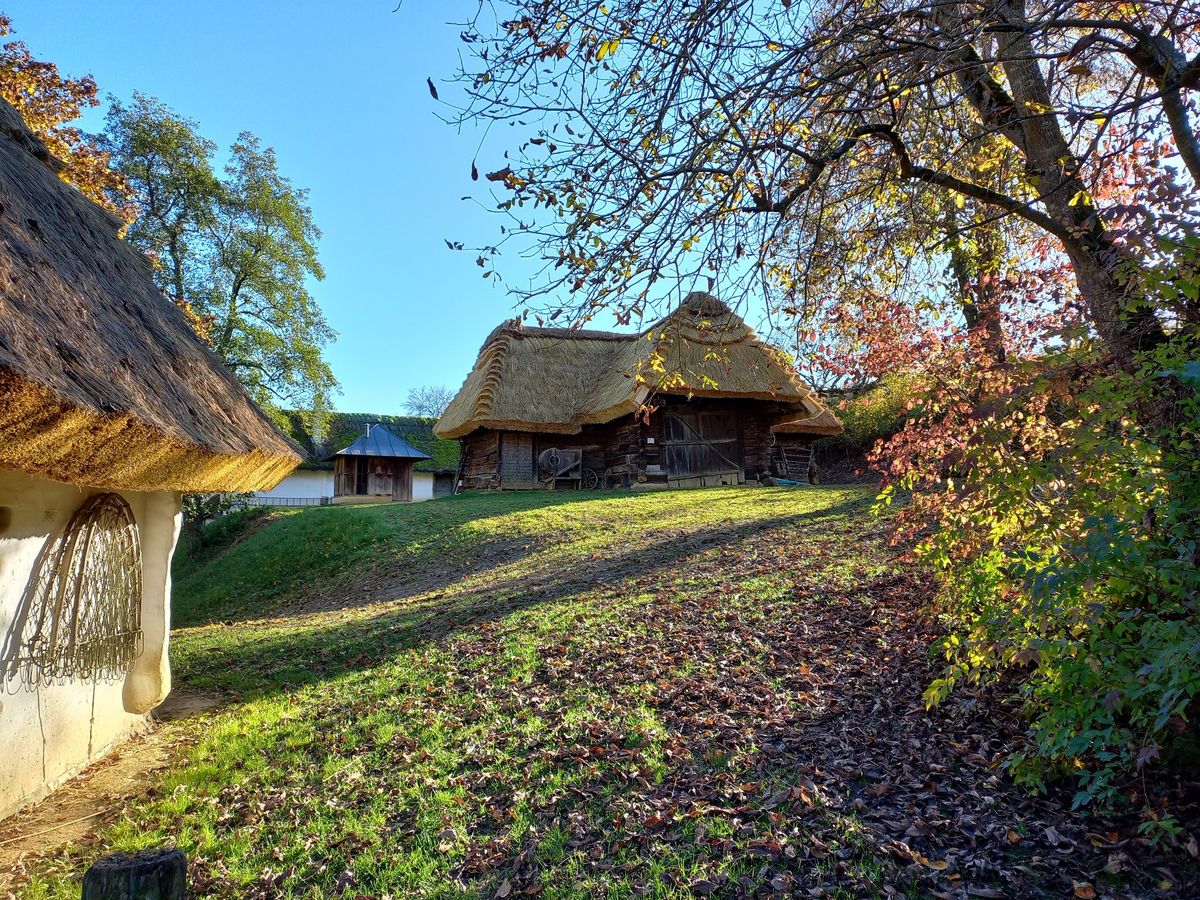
923,180
168,165
48,100
269,327
707,139
240,249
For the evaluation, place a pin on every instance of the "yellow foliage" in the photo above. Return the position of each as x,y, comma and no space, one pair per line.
46,101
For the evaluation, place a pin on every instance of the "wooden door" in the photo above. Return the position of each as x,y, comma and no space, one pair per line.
343,477
403,485
516,460
697,444
381,481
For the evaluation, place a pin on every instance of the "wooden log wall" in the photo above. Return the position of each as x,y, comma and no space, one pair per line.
756,443
623,452
481,460
630,450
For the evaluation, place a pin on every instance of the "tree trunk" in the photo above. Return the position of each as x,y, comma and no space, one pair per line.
987,291
230,321
145,875
977,273
177,263
1107,277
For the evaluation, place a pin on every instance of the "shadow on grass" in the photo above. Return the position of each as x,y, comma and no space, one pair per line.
858,777
257,659
414,573
288,553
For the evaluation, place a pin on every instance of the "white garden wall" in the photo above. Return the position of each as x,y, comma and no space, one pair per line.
48,732
309,483
302,484
422,486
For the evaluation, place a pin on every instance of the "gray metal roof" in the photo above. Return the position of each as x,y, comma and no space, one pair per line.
381,442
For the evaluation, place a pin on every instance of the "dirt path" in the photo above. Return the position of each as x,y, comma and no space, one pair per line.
97,795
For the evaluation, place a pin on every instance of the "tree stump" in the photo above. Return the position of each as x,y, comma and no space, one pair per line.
145,875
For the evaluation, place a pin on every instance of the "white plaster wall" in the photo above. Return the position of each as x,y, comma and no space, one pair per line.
303,483
422,486
50,732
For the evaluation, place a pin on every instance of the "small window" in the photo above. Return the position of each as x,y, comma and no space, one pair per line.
82,610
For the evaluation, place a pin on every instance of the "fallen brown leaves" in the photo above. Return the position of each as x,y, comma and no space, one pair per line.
796,724
723,711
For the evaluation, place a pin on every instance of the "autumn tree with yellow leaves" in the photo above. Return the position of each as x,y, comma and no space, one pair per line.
996,199
48,101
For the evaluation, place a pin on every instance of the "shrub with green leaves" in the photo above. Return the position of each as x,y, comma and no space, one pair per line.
873,416
1069,540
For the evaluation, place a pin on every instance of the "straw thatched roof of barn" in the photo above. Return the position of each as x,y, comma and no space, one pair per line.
824,422
559,380
102,382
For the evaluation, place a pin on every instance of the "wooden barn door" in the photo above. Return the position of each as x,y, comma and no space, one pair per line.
699,444
381,479
343,476
402,488
516,460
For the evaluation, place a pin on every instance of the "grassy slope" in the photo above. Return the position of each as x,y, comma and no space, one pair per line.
249,567
665,694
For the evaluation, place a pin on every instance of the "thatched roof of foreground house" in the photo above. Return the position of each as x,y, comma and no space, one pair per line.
102,381
558,380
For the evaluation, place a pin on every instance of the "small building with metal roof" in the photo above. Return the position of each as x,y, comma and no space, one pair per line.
377,467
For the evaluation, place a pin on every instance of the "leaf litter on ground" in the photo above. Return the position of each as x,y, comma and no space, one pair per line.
706,693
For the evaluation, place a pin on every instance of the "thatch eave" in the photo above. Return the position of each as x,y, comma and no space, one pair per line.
42,435
102,380
823,423
509,425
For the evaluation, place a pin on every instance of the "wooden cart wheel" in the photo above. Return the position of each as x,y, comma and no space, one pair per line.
589,480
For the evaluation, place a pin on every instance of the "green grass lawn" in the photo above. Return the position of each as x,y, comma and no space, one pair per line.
712,692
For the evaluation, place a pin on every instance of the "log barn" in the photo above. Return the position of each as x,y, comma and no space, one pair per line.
697,399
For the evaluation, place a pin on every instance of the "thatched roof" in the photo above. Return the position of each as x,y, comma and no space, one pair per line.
558,380
824,422
378,441
340,429
102,382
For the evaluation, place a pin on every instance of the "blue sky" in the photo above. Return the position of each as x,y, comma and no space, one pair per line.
338,89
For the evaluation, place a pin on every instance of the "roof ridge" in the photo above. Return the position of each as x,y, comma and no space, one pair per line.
494,354
574,334
696,307
14,127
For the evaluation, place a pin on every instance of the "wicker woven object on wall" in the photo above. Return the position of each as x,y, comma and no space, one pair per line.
84,603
